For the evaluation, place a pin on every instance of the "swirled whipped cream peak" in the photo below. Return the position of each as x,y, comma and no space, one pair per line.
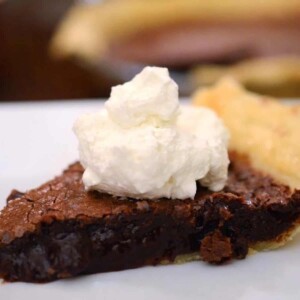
144,145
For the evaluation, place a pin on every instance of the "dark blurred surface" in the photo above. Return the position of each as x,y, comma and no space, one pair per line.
27,72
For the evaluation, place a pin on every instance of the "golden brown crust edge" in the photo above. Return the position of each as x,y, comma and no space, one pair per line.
261,128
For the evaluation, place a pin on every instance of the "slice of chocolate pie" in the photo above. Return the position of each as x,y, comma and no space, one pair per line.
67,228
59,230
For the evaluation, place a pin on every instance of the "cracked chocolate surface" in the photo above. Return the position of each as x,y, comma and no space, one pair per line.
59,230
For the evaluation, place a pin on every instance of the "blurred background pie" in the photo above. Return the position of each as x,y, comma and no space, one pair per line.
79,49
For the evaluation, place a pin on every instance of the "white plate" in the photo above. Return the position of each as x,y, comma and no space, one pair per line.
36,143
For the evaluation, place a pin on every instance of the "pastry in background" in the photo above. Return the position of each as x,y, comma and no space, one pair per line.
263,129
182,34
279,76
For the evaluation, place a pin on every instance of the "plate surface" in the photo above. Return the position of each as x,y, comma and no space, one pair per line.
37,143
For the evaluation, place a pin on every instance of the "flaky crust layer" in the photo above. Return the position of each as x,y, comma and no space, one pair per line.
261,128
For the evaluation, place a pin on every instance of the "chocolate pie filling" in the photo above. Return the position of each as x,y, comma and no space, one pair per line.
59,230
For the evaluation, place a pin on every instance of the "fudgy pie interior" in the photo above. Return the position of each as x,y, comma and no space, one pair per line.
59,230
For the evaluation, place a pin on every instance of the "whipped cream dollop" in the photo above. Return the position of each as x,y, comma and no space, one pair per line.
145,145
